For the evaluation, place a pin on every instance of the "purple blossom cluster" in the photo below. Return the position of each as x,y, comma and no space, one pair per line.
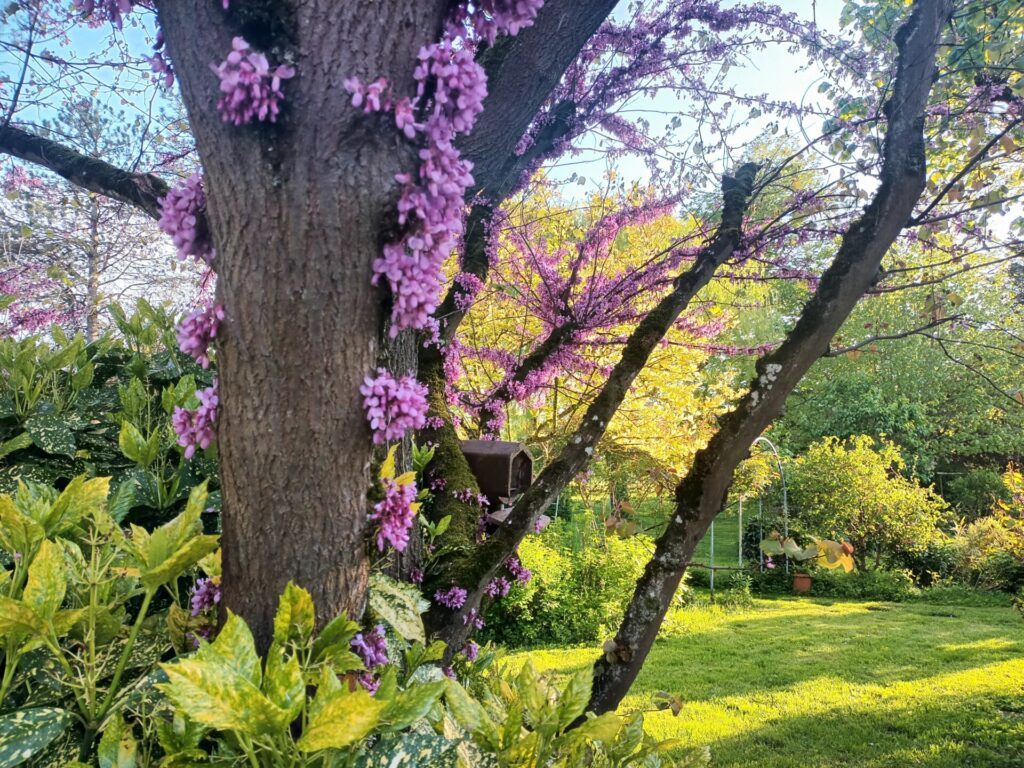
453,597
489,18
394,515
372,648
197,429
473,619
205,596
471,651
112,10
181,212
249,87
393,406
519,572
198,330
497,587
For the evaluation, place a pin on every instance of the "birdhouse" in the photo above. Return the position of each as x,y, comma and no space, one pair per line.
502,469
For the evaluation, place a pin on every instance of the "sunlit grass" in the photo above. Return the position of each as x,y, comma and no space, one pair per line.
802,683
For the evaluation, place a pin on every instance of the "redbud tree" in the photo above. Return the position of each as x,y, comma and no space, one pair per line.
346,152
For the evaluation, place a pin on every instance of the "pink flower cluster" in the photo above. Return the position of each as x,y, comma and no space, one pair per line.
499,586
109,9
180,214
249,87
198,330
197,429
393,406
489,18
519,572
394,515
453,597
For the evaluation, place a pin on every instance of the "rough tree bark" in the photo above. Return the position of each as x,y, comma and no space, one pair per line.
298,211
487,561
701,494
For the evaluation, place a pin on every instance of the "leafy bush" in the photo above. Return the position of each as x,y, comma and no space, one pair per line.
575,595
974,493
859,585
104,410
854,490
988,555
80,637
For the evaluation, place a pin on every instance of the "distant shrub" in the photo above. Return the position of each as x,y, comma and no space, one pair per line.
577,595
973,493
892,586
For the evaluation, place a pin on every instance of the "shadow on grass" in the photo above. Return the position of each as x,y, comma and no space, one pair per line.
944,732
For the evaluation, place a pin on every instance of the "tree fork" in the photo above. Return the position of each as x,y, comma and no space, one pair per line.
701,494
736,193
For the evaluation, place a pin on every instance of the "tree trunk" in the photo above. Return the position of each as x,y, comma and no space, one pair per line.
299,210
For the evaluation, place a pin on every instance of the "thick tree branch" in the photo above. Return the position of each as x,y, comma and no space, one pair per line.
143,190
521,72
702,493
574,457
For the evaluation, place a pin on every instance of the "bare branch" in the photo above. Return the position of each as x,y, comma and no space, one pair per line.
143,190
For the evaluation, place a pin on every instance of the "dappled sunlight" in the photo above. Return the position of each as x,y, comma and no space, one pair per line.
835,683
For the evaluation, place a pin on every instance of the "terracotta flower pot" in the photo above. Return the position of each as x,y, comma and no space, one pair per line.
801,583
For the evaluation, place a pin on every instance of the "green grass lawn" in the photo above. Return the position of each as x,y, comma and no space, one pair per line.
812,683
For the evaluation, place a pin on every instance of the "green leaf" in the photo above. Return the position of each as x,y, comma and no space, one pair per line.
47,581
283,682
117,748
400,605
295,616
17,443
28,732
573,701
412,704
183,558
17,619
219,686
236,649
467,712
121,500
345,718
132,443
411,750
18,532
51,434
81,498
334,639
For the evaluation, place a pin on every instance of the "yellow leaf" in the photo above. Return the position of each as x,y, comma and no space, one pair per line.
295,616
387,469
47,581
343,719
407,478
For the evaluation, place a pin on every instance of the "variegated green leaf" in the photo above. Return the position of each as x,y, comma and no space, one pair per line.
18,532
118,747
574,699
50,433
183,558
28,732
345,718
18,620
411,750
410,705
81,498
400,605
283,682
24,440
295,617
47,581
234,648
216,696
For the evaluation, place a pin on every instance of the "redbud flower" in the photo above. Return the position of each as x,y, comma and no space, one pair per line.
249,87
180,215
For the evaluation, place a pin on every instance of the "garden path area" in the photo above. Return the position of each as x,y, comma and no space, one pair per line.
806,683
